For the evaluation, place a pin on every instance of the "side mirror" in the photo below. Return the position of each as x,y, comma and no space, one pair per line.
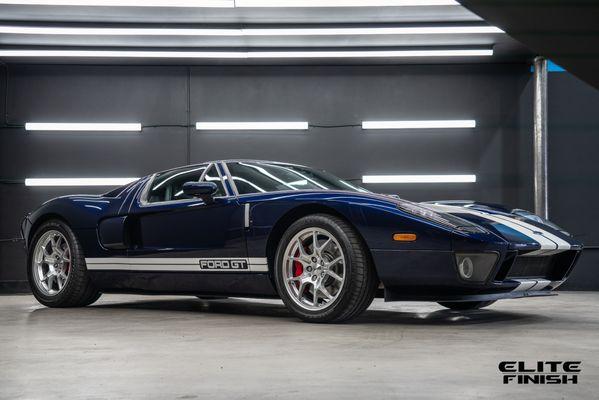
203,190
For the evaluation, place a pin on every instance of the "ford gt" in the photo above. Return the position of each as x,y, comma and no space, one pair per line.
325,246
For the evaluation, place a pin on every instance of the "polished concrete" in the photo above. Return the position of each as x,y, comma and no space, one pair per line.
133,347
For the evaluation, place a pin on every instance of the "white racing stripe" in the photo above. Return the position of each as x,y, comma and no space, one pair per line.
547,245
550,244
172,264
561,244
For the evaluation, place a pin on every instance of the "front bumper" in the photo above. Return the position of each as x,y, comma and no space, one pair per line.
433,276
392,294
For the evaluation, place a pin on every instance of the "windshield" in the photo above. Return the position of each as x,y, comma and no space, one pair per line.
263,177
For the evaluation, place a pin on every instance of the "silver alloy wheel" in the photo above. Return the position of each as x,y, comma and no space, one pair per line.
314,269
51,262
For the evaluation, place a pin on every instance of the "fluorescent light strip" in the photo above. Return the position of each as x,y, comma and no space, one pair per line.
234,126
419,178
126,3
78,181
343,3
434,124
246,55
417,30
422,30
104,127
61,30
235,3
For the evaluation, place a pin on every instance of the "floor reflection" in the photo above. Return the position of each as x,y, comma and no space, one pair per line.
410,315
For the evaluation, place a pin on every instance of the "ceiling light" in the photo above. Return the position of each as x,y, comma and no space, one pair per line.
78,181
419,178
399,30
121,54
126,3
371,53
343,3
234,3
434,124
414,30
51,126
66,30
211,126
246,55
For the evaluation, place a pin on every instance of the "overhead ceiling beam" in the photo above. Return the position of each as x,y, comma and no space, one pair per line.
563,31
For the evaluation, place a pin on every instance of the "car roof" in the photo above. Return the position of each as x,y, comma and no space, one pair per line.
229,161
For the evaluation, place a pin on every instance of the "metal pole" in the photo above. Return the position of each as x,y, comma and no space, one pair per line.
540,137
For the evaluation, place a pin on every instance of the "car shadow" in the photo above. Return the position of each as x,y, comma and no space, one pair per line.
257,308
233,306
448,317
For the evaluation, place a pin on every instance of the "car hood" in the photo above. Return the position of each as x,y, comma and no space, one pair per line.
512,227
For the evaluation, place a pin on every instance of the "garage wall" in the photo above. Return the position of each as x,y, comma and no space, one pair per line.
348,95
574,170
498,150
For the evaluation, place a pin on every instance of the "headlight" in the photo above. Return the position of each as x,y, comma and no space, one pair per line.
448,220
425,213
475,267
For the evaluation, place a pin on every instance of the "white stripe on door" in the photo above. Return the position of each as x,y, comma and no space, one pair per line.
170,264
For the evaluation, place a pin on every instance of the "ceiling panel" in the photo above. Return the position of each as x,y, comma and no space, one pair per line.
505,48
236,15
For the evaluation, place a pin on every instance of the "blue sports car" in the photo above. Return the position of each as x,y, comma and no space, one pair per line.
325,246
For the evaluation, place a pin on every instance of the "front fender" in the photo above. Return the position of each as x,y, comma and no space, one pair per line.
375,220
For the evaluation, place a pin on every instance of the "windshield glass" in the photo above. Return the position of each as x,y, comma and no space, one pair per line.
263,177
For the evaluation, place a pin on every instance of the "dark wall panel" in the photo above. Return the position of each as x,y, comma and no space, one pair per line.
40,154
498,150
152,95
573,155
348,95
574,170
584,276
54,93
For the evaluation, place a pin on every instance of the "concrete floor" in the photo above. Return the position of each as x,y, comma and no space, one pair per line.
133,347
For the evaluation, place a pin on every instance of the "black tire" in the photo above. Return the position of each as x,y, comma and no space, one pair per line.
78,291
355,293
466,305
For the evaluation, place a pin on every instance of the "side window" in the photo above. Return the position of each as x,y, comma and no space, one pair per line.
212,176
168,186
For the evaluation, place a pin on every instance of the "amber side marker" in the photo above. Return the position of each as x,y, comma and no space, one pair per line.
404,237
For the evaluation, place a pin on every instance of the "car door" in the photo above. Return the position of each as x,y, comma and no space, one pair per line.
170,231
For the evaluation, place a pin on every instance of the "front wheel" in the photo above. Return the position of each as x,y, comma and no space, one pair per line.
323,270
466,305
56,268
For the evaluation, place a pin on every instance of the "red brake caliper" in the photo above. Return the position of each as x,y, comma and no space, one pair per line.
298,268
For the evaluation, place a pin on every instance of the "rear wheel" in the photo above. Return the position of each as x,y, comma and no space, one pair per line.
57,272
323,271
466,305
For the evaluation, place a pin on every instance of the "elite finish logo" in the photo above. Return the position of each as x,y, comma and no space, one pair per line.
541,372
